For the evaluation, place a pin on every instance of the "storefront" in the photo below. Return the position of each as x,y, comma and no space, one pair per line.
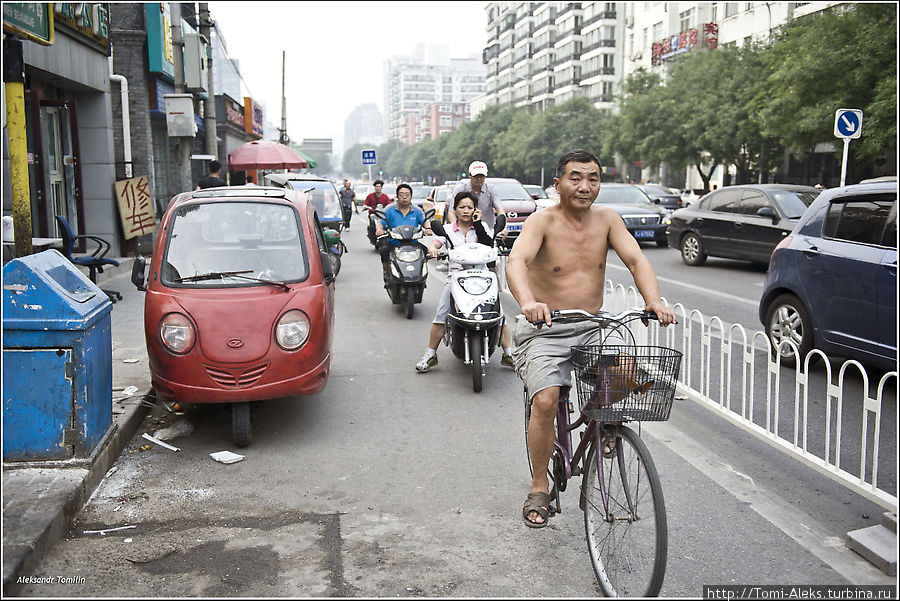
70,157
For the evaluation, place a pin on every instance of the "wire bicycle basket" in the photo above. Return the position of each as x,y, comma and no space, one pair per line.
625,383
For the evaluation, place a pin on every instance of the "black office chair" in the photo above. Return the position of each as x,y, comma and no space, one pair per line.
95,261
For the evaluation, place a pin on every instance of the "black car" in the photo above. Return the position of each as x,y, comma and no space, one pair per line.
832,284
662,196
645,220
743,222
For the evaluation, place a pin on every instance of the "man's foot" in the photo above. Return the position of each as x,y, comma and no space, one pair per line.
507,361
426,362
536,510
609,450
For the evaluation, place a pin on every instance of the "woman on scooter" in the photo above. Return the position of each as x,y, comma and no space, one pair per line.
467,227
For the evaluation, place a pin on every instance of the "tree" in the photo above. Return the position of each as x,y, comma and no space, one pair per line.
809,80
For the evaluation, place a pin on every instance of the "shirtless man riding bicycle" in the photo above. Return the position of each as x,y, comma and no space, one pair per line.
559,262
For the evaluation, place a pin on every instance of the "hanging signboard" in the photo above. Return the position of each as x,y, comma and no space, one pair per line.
135,207
29,20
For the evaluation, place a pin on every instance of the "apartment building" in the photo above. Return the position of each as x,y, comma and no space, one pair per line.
429,76
364,125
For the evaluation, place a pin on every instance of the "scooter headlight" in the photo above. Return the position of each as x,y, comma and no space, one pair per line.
475,284
292,330
407,255
177,333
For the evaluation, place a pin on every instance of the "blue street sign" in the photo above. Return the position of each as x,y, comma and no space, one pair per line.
848,123
368,157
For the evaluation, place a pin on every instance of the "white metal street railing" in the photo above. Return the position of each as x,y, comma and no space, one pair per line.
718,358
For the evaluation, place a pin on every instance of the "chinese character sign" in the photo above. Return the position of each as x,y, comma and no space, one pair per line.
136,207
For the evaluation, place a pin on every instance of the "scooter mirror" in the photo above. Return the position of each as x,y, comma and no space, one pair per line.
379,213
438,228
500,222
429,214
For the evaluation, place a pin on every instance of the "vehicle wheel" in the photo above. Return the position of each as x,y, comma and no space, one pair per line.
335,263
475,350
692,251
410,302
787,319
240,424
662,242
625,517
554,458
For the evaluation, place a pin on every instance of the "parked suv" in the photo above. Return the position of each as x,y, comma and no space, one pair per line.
832,283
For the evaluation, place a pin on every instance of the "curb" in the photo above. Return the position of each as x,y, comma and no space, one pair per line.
22,558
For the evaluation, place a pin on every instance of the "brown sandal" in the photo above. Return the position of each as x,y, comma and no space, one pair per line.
539,503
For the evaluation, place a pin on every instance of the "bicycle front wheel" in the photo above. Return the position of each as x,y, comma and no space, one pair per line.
625,517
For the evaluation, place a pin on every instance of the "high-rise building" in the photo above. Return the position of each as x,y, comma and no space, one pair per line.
429,76
364,125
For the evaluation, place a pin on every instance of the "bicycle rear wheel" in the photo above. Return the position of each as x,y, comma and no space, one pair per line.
625,517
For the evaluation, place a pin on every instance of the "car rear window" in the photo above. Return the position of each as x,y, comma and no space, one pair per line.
621,195
793,204
263,239
864,220
322,196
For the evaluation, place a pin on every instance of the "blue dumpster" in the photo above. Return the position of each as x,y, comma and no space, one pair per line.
57,360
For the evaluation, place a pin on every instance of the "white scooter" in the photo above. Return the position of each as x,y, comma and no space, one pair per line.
473,326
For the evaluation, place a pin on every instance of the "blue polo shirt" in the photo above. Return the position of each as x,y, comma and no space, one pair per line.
393,217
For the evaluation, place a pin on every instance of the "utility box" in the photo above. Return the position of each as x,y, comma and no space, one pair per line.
57,360
196,63
180,115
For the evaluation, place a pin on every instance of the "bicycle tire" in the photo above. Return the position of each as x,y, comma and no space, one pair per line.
628,550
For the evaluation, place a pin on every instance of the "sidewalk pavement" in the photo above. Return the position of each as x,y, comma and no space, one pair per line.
41,499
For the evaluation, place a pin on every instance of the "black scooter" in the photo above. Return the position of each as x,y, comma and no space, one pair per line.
408,264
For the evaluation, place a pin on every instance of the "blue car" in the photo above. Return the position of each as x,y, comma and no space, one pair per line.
832,283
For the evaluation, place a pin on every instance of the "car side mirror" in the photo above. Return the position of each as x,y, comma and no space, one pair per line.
500,222
327,266
137,273
768,212
438,228
534,197
656,201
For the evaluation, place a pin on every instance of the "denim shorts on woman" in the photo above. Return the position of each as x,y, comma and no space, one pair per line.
542,356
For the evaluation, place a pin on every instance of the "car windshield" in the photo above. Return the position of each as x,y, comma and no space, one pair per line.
623,195
229,239
793,203
444,195
537,190
420,193
322,196
511,191
390,190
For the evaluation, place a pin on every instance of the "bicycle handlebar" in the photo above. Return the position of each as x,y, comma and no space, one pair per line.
603,317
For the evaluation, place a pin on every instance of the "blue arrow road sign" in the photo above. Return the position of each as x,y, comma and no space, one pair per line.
848,123
368,157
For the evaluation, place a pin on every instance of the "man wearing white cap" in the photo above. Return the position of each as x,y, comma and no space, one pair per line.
489,203
488,207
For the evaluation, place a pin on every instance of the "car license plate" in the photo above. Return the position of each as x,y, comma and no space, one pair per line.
643,233
514,228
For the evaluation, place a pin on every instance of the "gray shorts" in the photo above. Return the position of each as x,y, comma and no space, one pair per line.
542,356
443,305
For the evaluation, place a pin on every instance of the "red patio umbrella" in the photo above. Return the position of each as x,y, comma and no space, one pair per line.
265,154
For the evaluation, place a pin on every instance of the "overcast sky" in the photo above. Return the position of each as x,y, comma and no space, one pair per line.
335,52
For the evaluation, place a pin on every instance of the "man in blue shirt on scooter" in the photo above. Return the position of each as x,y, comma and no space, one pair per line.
401,212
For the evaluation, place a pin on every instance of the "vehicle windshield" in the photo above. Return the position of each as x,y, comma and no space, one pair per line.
322,196
512,191
793,204
657,191
444,195
390,190
257,239
420,193
623,195
536,190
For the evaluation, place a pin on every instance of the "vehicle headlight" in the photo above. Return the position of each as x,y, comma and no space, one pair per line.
396,235
292,330
407,256
475,284
177,333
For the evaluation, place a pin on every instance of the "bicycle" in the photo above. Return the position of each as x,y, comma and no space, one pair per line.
621,495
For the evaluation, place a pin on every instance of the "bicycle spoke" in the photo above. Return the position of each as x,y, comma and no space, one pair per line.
625,518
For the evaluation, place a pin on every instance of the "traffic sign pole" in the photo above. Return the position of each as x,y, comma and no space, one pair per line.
844,161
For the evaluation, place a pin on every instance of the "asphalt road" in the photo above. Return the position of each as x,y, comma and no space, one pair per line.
392,483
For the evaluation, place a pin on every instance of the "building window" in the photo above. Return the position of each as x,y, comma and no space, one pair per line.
687,19
713,11
731,9
657,32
